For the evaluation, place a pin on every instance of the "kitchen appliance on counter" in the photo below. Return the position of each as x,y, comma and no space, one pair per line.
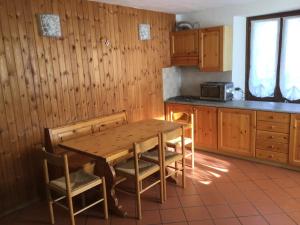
216,91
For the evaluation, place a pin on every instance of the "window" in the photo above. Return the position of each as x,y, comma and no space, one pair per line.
273,52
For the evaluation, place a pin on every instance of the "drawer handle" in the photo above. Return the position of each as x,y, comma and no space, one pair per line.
272,146
271,156
272,127
272,137
271,117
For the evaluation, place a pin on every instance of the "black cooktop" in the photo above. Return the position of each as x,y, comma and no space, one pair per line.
186,98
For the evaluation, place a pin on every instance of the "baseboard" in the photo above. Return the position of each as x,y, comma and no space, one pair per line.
285,166
19,207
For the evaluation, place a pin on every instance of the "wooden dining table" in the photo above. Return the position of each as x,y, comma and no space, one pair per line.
114,144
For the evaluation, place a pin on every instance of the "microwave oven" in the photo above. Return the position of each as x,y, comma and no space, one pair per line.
216,91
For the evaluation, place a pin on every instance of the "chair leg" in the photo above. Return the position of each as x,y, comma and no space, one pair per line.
71,211
165,184
193,156
162,185
176,163
83,202
138,201
104,198
183,172
50,205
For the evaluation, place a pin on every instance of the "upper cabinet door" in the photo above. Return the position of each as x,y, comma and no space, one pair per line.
184,43
211,51
294,153
184,48
215,51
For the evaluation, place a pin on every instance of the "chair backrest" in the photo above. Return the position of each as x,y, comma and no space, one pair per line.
144,146
54,136
172,134
182,117
147,145
60,161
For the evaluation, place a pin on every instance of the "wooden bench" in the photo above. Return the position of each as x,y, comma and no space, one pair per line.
54,136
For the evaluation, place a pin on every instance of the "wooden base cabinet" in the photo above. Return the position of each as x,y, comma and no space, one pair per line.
236,131
294,148
206,128
272,139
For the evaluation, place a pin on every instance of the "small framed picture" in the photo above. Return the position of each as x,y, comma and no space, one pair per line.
144,32
49,25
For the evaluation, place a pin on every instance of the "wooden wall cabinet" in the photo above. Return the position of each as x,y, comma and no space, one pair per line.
215,49
206,128
236,131
184,48
294,148
208,48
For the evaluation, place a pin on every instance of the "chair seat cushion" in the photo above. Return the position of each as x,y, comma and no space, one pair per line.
170,156
144,167
175,141
78,179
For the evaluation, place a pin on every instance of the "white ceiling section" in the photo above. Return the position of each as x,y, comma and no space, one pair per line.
176,6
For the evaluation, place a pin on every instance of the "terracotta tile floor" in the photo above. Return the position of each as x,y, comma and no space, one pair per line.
220,191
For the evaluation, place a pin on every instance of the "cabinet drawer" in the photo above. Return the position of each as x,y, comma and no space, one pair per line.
273,126
272,146
272,136
272,116
272,156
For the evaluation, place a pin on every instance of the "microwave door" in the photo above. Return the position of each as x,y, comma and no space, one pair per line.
211,92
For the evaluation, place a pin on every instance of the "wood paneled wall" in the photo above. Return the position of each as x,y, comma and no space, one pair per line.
46,82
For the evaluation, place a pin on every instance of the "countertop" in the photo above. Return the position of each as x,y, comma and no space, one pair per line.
252,105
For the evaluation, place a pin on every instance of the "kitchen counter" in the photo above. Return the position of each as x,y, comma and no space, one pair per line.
252,105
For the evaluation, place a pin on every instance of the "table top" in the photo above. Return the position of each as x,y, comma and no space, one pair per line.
117,142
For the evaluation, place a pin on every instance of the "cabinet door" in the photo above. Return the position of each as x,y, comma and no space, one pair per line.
184,43
206,130
236,131
294,153
211,49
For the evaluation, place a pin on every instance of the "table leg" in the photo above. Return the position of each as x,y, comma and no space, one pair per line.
106,170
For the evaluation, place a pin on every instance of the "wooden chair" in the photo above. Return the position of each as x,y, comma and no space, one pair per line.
186,119
69,186
139,169
169,157
54,136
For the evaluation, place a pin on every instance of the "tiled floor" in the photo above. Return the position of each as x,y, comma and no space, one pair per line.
220,191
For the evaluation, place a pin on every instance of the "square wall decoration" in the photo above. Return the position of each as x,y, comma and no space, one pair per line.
49,25
144,32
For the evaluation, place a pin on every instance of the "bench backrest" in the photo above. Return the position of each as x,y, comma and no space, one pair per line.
54,136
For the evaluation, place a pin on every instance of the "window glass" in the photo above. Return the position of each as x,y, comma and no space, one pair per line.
290,59
264,45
